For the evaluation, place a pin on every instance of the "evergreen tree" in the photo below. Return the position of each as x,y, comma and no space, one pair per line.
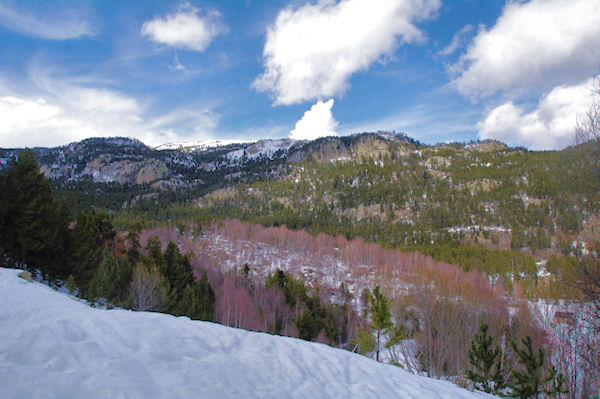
531,381
364,341
483,357
206,297
34,230
103,284
178,272
197,300
133,238
92,232
381,318
111,280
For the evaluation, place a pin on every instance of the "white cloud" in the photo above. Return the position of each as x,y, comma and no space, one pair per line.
549,126
57,24
177,66
311,52
533,46
189,28
316,122
62,112
457,41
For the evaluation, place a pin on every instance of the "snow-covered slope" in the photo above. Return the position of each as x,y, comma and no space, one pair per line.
53,346
199,145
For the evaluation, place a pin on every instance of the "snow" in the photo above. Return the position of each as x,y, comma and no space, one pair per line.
54,346
262,149
198,145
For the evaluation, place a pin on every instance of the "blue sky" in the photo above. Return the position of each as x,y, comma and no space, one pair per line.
181,71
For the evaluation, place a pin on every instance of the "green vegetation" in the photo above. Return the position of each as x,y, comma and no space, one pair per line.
530,381
312,316
34,229
89,257
486,362
483,210
381,318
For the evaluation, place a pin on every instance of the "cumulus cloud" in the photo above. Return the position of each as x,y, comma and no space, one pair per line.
534,46
549,126
316,122
311,52
61,112
189,28
59,24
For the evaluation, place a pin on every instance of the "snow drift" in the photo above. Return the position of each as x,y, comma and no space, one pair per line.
54,346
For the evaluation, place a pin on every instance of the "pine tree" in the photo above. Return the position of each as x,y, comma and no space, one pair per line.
364,341
381,318
33,229
207,298
111,280
483,357
91,234
178,272
71,285
103,283
531,382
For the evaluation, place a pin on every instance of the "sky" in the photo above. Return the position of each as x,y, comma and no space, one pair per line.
180,71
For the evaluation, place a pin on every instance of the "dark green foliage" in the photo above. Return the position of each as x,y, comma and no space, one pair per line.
315,319
33,229
178,271
198,300
111,281
70,284
91,233
133,238
206,297
314,316
530,381
381,317
485,359
364,341
186,297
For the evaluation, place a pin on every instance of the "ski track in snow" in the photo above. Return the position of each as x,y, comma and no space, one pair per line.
54,346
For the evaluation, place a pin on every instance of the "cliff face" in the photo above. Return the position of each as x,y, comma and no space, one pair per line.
104,170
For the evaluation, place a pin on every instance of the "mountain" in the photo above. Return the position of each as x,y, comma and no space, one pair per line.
384,187
123,172
55,346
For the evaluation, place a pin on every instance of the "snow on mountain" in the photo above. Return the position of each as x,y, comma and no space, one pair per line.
262,149
54,346
199,145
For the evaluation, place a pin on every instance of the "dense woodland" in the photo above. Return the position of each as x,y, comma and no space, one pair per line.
483,206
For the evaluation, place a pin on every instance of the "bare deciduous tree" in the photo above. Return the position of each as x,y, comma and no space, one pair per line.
587,134
587,127
148,288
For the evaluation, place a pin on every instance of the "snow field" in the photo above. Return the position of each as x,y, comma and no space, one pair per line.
54,346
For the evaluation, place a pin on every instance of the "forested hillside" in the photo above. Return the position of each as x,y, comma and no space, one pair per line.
373,243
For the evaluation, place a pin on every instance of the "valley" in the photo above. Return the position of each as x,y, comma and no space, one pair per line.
295,238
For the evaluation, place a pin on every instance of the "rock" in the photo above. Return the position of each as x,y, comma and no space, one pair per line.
26,276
